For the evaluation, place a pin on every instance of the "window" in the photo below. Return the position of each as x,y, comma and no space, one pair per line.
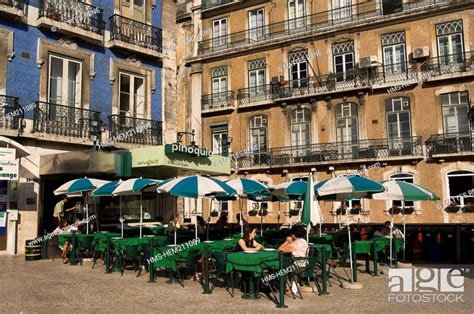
219,32
220,206
219,84
261,207
256,24
65,81
398,125
406,177
343,60
296,13
455,108
393,47
220,138
298,67
354,205
300,127
258,132
297,205
258,139
131,96
341,11
460,182
346,123
257,78
450,43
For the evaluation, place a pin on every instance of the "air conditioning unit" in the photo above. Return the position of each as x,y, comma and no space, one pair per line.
421,52
368,62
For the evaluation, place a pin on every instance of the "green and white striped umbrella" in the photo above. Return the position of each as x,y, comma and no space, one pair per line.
397,190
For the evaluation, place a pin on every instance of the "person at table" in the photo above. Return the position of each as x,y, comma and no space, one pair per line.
295,243
67,230
201,225
395,231
247,242
175,223
244,222
222,222
59,210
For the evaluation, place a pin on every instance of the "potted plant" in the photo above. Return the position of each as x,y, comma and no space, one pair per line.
355,210
294,212
468,208
331,81
214,213
452,208
341,211
263,212
253,212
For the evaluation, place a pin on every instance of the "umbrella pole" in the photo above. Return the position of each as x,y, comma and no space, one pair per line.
121,218
404,231
261,223
97,214
391,239
174,217
195,220
350,244
87,213
208,220
141,214
241,222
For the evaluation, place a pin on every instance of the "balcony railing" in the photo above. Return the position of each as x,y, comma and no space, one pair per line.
11,113
17,4
207,4
376,149
248,96
448,64
135,130
395,72
62,120
73,13
136,33
217,101
318,22
451,143
325,83
183,9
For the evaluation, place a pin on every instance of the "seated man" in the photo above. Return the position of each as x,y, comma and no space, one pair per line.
296,244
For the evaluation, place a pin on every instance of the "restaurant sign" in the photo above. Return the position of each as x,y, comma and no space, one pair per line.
8,169
190,150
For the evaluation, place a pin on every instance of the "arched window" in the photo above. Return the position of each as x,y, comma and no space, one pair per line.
398,125
461,188
407,177
300,127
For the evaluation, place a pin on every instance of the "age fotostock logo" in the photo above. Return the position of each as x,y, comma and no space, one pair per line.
424,285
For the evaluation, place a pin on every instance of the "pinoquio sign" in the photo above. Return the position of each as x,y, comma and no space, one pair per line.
191,150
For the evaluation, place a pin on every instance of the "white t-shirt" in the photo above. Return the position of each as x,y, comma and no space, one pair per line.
301,246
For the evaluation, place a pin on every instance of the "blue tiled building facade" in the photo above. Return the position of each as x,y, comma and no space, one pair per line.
92,68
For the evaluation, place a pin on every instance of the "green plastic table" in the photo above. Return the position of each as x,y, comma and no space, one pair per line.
69,236
158,230
253,263
100,240
320,247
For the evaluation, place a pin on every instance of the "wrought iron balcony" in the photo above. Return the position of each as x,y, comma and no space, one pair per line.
208,4
11,113
135,130
62,120
376,149
217,101
321,22
16,4
136,33
451,143
448,64
73,13
257,94
183,10
393,73
327,83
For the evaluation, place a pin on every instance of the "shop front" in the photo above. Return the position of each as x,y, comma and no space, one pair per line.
155,162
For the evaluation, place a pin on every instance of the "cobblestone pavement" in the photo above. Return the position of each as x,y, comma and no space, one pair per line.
51,287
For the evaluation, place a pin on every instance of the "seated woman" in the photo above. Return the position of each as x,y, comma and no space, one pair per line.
296,244
201,225
247,242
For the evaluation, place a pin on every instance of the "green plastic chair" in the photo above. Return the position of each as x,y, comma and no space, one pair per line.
132,255
84,245
218,270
